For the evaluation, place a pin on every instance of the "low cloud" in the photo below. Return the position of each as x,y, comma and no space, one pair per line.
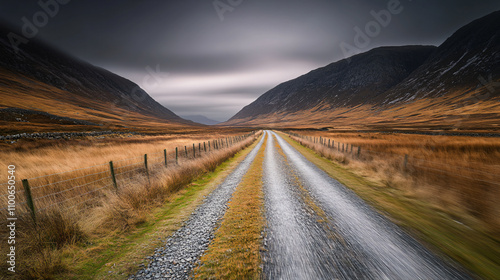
217,95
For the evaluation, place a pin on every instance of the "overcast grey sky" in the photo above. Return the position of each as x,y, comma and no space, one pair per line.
213,61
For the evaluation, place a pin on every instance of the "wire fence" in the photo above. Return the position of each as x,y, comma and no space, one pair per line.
473,189
84,187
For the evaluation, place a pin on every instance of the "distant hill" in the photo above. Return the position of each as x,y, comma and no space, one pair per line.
201,119
451,87
44,80
342,83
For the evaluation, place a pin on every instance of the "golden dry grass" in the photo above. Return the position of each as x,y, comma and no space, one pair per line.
40,158
457,174
97,209
234,253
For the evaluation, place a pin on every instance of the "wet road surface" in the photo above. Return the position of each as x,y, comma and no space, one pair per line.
318,229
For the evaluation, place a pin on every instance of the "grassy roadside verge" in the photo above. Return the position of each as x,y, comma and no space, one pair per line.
120,254
475,250
235,251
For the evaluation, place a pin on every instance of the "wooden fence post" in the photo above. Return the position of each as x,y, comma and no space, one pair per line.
29,199
194,151
113,177
186,151
165,156
204,147
176,155
146,166
359,151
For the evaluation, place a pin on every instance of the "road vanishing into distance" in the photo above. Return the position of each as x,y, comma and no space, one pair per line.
316,228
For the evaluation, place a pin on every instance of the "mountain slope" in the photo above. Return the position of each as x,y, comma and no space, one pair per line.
454,86
341,83
42,79
470,55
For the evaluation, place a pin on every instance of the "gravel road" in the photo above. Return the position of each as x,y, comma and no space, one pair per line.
318,229
182,250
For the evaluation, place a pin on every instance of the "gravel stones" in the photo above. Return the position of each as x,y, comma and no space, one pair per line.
183,249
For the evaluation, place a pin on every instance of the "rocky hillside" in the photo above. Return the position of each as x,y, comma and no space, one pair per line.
344,83
453,86
470,58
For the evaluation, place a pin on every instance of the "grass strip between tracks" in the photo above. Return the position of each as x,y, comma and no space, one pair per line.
474,249
120,255
235,251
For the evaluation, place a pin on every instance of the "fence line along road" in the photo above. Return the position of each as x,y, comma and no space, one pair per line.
358,151
60,189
